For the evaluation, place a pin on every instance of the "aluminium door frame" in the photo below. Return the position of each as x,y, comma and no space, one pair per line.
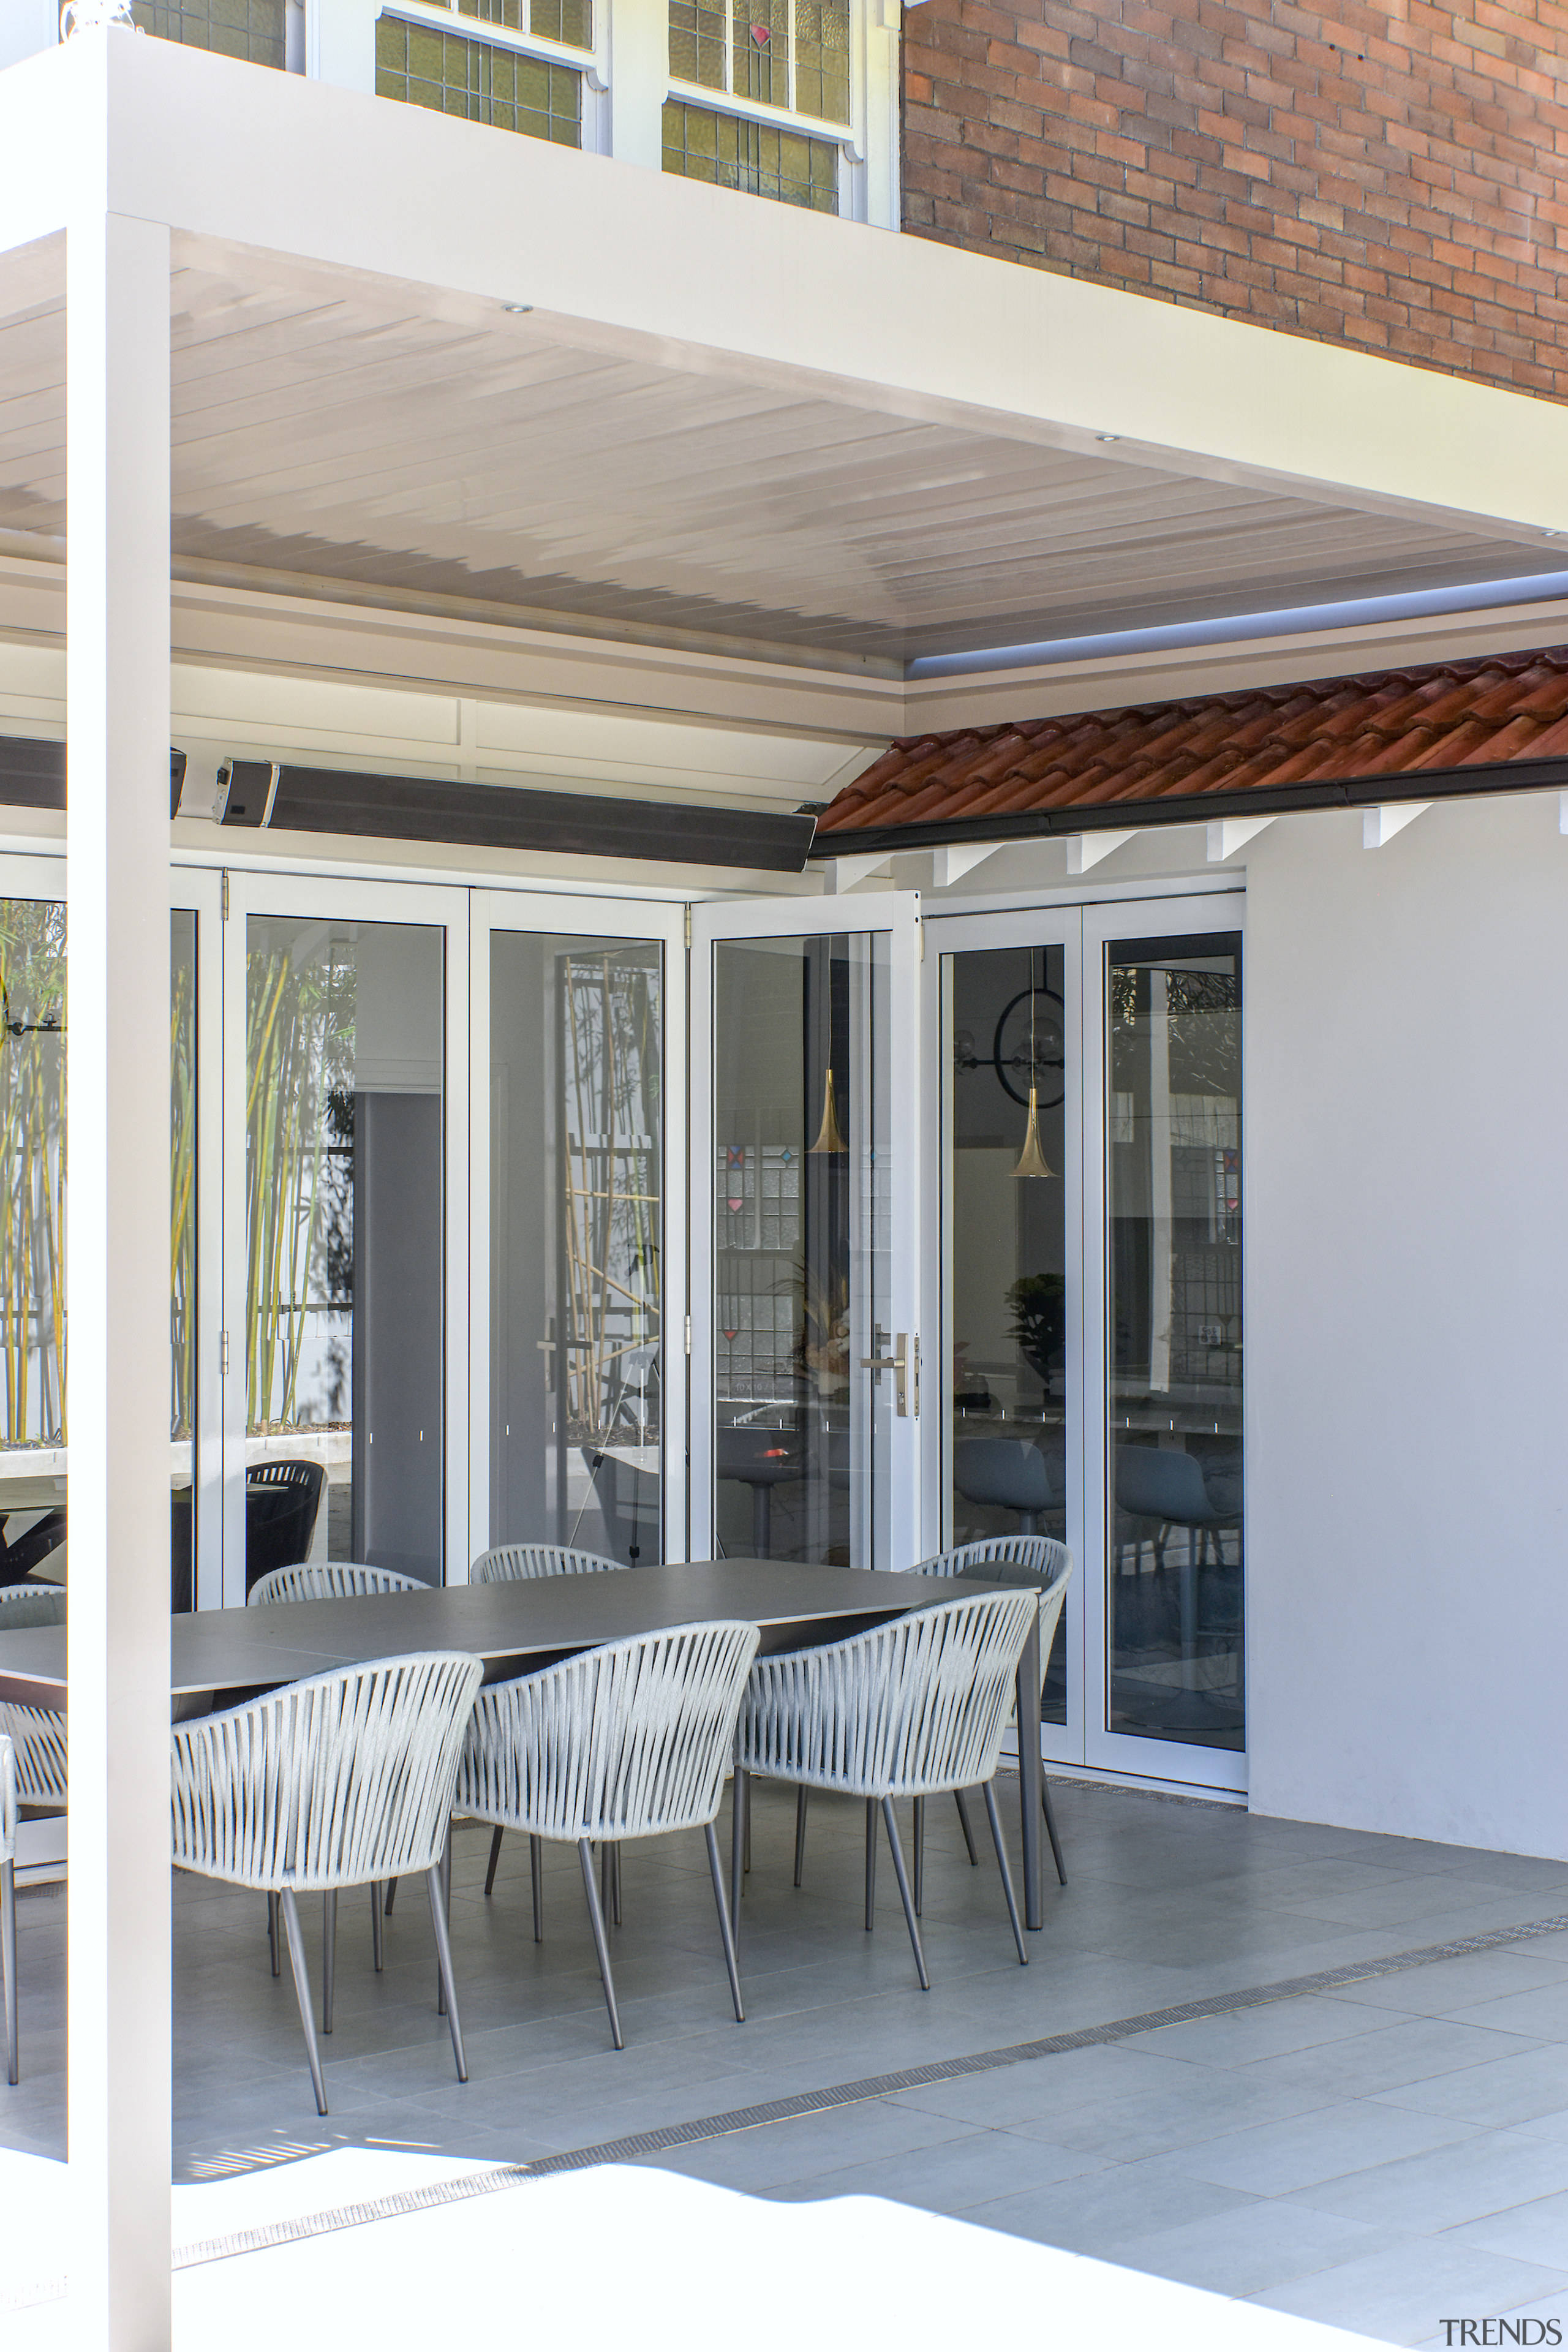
898,915
1015,927
532,911
258,890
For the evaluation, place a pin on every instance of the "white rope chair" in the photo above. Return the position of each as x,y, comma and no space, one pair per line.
908,1709
31,1605
629,1740
38,1733
505,1563
330,1579
335,1781
8,1896
516,1563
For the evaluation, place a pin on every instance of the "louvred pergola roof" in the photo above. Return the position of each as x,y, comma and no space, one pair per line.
1495,723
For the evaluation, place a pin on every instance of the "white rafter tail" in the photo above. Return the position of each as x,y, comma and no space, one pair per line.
1087,849
954,859
1230,833
845,872
1379,825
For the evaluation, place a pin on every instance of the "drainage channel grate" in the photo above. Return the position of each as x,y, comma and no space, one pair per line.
839,2095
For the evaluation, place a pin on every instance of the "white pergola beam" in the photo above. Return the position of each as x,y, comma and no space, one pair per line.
117,1278
1379,825
845,872
1087,849
1227,835
954,859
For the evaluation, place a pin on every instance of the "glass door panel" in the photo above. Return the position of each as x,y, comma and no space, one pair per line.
338,1290
33,1417
1005,1374
805,1342
1174,1339
576,1230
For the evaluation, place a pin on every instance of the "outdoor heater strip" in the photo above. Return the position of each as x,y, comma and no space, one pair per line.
844,2094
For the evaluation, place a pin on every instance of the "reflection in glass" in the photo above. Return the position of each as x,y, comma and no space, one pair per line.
1174,1339
801,1176
1005,1239
343,1361
32,1227
183,1253
577,1140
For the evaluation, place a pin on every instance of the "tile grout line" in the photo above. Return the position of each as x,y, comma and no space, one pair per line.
487,2182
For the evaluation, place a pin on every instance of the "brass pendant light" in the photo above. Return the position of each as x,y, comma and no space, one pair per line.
829,1138
1032,1159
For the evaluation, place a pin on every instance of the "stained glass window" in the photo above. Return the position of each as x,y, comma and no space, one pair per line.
568,21
758,157
822,58
761,50
697,43
483,82
252,30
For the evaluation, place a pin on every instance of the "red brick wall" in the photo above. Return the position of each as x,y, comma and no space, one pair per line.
1393,178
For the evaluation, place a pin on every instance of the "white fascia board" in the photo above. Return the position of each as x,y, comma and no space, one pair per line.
229,151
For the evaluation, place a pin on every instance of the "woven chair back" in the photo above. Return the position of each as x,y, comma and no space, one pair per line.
509,1563
38,1737
32,1604
329,1782
626,1741
907,1709
330,1579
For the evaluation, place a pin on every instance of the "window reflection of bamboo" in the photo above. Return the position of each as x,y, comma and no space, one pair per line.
32,1140
182,1193
297,1034
608,1178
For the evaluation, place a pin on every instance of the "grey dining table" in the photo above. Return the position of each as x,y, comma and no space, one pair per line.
518,1625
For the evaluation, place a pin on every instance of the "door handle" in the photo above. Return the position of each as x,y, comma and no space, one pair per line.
899,1364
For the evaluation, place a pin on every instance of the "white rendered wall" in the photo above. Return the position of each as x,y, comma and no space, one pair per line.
26,27
1407,1255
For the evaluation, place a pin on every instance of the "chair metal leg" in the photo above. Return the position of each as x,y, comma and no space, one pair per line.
917,1839
738,1808
445,1868
901,1875
391,1891
290,1911
802,1798
1006,1873
967,1826
536,1873
717,1869
746,1858
610,1879
272,1933
378,1951
444,1962
601,1945
495,1857
8,1962
870,1863
328,1957
1051,1829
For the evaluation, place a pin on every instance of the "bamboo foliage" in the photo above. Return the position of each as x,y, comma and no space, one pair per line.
610,1181
32,1171
182,1186
300,1016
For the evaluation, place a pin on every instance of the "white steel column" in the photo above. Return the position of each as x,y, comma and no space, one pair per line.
117,1261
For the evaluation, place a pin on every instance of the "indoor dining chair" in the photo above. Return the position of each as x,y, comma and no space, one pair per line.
335,1781
629,1740
913,1708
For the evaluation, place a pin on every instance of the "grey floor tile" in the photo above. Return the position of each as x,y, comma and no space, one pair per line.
1256,2246
1438,1987
1274,2158
1461,2182
1400,2295
1542,2012
1266,2031
1099,2212
1536,2232
1514,2089
952,2176
1048,2091
1420,2053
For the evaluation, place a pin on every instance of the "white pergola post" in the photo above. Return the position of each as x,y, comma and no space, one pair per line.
117,1276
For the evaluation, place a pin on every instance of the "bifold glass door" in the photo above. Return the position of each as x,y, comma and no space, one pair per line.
806,1333
1087,1259
579,1430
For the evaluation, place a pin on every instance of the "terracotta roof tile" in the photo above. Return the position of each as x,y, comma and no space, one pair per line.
1391,723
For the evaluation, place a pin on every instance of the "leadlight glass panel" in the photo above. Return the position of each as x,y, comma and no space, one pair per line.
822,58
251,29
697,43
761,50
755,156
424,67
569,22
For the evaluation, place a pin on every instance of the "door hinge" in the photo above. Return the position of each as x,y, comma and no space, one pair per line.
223,1354
689,927
224,879
688,1335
